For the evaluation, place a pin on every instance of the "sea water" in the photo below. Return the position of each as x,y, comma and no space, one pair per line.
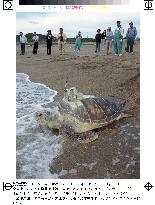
35,148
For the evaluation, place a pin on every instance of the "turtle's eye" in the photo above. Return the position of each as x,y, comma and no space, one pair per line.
40,114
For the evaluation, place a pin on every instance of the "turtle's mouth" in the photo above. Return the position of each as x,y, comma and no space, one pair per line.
41,118
38,114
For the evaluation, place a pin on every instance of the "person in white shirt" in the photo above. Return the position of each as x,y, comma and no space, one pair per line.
61,41
109,39
23,41
36,40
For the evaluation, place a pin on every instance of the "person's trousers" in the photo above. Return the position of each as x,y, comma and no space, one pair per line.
121,45
61,46
98,45
108,45
22,48
117,47
103,42
48,49
35,48
77,46
130,43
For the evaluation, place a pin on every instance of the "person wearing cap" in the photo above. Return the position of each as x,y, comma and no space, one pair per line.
49,38
103,39
131,35
118,36
23,41
61,41
98,38
109,39
36,41
78,42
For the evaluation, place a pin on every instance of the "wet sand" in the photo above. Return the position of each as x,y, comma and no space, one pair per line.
115,154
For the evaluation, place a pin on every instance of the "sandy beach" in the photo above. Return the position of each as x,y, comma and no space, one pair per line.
115,154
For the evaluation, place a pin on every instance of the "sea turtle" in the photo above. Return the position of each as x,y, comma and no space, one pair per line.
77,114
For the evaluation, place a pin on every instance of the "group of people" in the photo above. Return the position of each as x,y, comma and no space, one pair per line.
49,38
108,37
61,41
102,39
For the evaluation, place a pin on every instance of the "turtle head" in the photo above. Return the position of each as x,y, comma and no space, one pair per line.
49,119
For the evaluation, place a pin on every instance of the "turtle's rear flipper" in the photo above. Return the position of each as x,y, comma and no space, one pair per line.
84,137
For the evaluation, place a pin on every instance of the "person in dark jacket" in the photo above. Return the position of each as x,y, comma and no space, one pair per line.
98,38
36,41
103,39
49,38
131,35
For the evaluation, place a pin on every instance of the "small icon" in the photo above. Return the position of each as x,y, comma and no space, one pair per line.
148,4
7,4
148,186
44,7
7,186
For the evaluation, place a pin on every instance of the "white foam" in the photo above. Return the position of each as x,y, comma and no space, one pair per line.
35,149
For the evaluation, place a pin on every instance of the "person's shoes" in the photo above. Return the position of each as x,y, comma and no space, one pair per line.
120,54
115,54
95,51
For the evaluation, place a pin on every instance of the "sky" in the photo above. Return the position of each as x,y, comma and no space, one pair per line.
86,22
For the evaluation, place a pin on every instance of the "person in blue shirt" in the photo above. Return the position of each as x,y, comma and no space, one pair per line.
131,35
109,39
78,42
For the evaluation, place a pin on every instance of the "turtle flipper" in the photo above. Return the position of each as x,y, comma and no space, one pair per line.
87,137
125,115
84,137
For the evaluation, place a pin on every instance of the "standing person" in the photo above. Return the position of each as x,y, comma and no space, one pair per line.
78,42
131,35
103,39
118,35
49,38
36,41
23,41
109,39
98,40
61,41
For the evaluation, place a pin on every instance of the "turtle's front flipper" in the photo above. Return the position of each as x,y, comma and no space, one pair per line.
125,115
84,137
87,137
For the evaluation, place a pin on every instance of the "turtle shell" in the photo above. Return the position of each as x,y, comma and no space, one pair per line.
92,109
